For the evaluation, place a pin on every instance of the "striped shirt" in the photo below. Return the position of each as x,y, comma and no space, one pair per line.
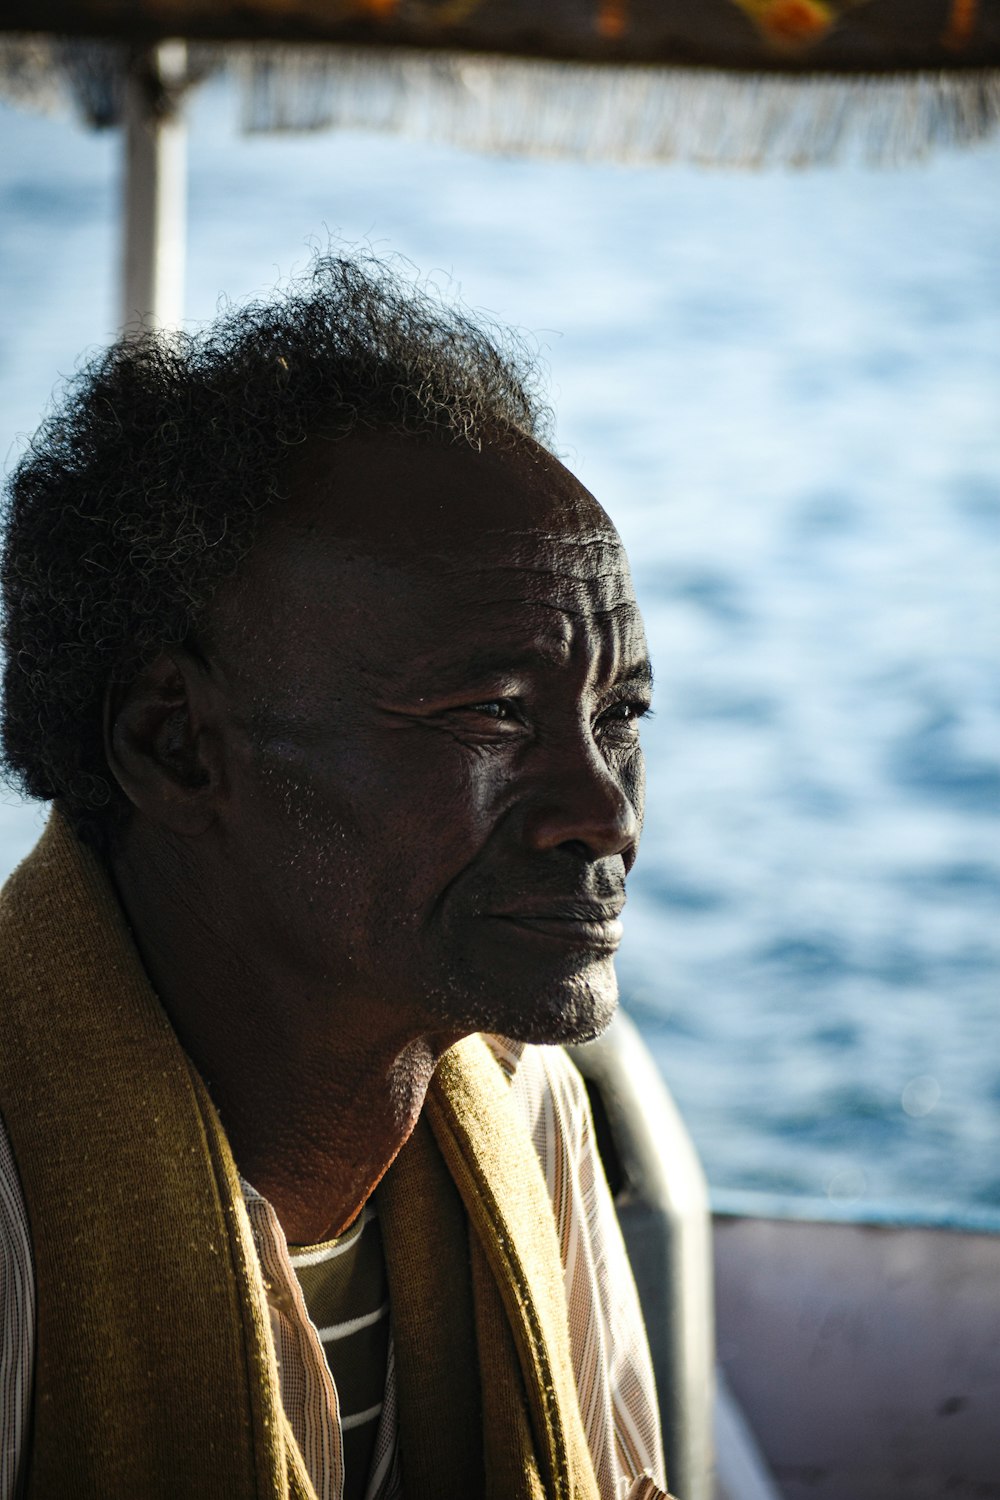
610,1356
346,1289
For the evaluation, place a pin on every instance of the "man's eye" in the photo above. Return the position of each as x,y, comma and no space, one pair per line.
629,712
493,708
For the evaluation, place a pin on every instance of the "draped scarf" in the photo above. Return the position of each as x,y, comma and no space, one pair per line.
155,1371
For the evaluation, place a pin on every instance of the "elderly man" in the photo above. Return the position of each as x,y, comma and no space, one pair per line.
333,676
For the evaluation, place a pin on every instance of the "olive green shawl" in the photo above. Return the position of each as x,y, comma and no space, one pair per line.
154,1368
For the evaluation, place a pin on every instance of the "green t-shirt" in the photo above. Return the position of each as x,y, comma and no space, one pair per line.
347,1297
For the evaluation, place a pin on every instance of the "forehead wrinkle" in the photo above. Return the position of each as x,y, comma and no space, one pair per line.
602,536
582,587
554,606
512,585
513,549
542,570
555,647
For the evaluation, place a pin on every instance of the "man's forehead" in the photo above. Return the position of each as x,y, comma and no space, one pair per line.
418,547
543,588
393,495
541,604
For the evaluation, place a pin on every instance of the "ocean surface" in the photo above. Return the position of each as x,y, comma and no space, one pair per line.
786,389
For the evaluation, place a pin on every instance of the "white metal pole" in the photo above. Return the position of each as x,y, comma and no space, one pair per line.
155,189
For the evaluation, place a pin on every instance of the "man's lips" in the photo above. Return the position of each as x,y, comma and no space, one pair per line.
581,924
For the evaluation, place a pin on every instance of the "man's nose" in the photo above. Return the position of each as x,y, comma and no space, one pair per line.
582,802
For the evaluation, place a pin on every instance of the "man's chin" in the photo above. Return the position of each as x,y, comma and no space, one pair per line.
581,1020
572,1012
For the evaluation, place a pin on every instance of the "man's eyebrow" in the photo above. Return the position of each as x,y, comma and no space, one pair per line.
639,673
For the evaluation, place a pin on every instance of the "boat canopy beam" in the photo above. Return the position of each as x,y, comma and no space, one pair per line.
781,36
154,189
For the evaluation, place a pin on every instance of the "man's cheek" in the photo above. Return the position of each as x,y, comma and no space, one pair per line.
634,784
453,808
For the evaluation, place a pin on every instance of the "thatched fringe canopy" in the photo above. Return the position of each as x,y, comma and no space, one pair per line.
844,36
728,82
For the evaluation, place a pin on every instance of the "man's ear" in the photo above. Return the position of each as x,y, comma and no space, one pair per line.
162,744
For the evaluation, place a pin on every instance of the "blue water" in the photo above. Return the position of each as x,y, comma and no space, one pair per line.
786,389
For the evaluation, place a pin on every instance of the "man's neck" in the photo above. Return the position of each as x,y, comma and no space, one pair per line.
317,1090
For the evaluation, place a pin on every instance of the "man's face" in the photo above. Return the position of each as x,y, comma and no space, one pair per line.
433,667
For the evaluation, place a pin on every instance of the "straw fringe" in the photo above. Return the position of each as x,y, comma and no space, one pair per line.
636,114
632,114
49,76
